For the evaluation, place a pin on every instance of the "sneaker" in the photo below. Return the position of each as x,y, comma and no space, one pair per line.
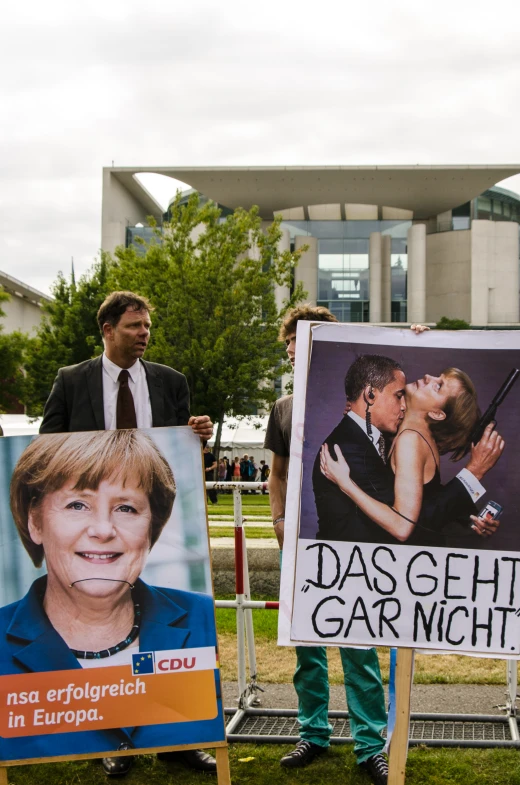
377,768
302,754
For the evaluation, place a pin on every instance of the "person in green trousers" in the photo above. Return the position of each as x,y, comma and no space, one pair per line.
362,676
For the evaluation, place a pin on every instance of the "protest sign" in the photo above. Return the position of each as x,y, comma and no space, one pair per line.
421,580
107,624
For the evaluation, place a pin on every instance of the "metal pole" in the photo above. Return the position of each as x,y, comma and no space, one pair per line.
512,686
239,590
252,698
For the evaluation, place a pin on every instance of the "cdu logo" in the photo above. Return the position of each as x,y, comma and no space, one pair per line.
143,663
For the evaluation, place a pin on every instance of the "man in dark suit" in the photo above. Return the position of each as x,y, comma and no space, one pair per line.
374,386
121,390
84,397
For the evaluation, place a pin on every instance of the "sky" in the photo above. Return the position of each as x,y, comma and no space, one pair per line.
230,83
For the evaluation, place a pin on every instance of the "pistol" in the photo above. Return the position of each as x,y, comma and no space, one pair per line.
491,412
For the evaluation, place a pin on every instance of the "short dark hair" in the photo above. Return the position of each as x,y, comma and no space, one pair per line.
113,307
304,313
369,369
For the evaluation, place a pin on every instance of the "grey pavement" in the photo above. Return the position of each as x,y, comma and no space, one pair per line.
426,698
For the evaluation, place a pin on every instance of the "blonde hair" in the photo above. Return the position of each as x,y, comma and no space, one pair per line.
50,461
453,434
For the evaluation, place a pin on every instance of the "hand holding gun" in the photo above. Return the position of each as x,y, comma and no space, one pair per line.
490,414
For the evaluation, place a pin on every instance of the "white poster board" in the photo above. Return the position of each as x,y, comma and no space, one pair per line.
453,591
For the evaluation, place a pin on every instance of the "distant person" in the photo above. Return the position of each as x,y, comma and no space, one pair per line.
237,474
362,677
229,470
244,468
264,474
222,470
210,464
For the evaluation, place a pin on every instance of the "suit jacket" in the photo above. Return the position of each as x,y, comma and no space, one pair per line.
339,518
76,399
170,619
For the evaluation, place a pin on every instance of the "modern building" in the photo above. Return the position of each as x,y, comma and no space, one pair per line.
23,311
385,243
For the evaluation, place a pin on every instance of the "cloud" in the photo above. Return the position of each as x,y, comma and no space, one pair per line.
205,84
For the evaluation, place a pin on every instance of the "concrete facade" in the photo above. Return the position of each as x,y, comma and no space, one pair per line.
494,273
448,276
306,272
458,265
375,276
23,310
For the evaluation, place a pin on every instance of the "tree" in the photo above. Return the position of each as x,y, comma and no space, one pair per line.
211,281
452,324
12,347
68,334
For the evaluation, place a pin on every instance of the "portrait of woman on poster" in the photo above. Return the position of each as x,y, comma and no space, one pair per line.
441,412
92,505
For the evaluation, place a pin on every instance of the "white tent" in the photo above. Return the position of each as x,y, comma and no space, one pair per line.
242,435
19,424
239,434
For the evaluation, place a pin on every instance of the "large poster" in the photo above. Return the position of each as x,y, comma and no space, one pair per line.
107,621
402,534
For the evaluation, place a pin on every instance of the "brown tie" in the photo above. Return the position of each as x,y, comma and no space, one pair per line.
125,409
381,446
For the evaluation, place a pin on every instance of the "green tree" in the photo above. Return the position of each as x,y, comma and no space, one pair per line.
452,324
12,347
68,334
212,281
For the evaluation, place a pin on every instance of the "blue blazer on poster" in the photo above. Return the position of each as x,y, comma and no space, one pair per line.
170,619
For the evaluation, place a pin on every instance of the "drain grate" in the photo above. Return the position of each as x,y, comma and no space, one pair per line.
265,728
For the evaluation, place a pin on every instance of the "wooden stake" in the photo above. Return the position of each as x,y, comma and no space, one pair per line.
3,775
223,774
399,741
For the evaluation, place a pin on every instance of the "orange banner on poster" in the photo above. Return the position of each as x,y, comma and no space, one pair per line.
99,698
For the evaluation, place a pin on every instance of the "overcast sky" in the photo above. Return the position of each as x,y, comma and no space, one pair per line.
231,83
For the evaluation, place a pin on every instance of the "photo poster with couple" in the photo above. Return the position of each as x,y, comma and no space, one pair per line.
388,541
107,621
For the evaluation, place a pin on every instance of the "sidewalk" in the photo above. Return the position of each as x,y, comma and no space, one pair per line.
426,698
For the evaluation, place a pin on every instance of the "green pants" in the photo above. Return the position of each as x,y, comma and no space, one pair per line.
364,691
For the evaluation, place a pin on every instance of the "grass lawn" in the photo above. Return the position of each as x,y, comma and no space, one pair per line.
432,766
252,532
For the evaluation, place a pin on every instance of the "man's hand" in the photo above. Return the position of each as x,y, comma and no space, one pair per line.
486,453
419,328
484,526
202,426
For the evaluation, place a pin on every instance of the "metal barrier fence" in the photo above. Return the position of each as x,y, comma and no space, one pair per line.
250,724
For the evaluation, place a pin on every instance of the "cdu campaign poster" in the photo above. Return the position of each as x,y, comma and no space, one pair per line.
402,522
107,620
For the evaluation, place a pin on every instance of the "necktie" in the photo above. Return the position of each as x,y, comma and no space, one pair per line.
125,409
381,447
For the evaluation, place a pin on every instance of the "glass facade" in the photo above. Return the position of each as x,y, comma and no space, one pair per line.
343,267
343,264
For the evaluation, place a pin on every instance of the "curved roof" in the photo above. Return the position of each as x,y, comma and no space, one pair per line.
426,190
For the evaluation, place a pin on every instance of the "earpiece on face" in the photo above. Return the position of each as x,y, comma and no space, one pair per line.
371,394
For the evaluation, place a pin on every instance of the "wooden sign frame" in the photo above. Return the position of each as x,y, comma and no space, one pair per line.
221,755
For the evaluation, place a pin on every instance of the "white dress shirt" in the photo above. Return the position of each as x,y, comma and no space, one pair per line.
138,387
468,480
376,433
